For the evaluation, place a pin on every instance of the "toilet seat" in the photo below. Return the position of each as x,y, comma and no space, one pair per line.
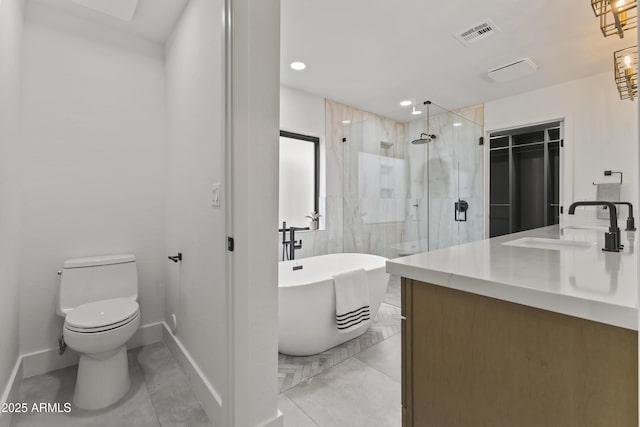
101,316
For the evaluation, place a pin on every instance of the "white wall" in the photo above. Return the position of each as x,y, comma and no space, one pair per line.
196,287
304,113
11,27
600,131
94,166
254,343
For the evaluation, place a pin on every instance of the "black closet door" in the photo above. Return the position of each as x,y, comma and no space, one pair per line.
529,206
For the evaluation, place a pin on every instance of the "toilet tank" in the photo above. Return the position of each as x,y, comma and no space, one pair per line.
85,280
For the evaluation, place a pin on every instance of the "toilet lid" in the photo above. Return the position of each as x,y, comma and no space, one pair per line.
103,313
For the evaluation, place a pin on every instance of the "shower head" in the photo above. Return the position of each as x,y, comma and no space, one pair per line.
425,138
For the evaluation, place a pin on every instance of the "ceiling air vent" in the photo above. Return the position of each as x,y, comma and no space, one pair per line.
477,32
515,70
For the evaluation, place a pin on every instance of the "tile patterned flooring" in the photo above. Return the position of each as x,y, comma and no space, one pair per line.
160,395
356,384
292,370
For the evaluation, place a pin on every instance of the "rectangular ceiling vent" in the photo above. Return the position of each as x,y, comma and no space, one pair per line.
515,70
477,32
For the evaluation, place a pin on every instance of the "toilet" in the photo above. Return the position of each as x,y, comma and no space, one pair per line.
98,299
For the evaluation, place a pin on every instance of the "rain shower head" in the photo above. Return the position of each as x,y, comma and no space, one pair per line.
425,138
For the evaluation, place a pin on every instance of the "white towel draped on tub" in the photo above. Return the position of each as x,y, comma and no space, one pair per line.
352,300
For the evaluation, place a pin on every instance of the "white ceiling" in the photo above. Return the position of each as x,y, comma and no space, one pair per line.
372,54
153,20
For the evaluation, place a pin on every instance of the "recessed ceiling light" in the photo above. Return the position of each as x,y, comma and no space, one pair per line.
457,124
298,66
416,112
346,122
406,103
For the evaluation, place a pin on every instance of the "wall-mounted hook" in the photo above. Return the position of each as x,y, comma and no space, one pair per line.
176,258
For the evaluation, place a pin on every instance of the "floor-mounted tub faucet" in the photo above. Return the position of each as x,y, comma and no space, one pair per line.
289,246
612,238
293,245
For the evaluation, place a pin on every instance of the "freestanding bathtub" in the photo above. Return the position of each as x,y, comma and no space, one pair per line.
307,300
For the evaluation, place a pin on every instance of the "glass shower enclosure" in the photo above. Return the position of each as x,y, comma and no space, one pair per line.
402,198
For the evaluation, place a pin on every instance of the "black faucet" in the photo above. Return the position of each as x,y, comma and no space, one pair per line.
293,245
631,222
289,246
612,238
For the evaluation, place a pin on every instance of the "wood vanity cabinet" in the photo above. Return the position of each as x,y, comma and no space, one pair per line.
469,360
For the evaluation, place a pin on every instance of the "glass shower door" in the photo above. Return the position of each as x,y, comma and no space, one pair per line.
455,182
400,198
447,181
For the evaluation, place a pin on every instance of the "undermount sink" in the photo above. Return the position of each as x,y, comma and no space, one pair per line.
552,244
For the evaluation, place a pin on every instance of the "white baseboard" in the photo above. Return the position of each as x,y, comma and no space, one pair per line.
10,393
277,421
202,388
49,360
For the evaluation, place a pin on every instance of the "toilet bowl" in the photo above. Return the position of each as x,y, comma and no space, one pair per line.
98,300
99,331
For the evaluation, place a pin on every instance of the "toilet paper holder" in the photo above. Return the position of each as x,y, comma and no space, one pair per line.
176,258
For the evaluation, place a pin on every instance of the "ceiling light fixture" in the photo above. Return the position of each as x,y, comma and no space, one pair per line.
457,124
298,66
405,103
346,122
616,16
416,112
625,64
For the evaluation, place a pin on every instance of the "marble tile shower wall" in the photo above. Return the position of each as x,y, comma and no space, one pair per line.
373,223
347,226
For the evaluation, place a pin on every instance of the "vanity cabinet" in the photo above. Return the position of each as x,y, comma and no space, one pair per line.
470,360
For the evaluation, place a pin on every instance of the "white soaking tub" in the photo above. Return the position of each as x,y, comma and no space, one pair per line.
307,301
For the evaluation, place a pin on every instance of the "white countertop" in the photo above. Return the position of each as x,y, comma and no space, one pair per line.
583,282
